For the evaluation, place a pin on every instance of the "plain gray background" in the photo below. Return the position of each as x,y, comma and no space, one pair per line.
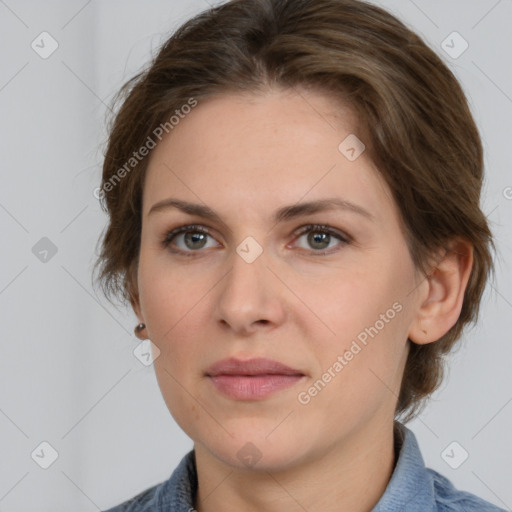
68,375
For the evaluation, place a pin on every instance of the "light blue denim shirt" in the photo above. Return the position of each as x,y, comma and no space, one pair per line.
412,488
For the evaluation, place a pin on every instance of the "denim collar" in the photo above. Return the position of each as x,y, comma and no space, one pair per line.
411,487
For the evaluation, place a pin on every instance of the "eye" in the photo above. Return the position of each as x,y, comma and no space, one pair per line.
320,237
192,237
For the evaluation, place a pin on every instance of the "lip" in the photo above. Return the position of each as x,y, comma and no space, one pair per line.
254,366
252,379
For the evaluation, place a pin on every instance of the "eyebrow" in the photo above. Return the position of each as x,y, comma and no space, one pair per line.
282,214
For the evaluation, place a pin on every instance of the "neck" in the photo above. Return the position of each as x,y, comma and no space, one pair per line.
349,476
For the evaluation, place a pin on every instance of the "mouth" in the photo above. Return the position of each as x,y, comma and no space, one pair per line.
253,379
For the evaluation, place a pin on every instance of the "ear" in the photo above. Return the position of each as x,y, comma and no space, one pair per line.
446,285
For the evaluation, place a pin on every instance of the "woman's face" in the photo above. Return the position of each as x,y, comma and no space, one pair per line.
335,303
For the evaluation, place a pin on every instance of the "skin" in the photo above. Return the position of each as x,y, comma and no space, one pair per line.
245,156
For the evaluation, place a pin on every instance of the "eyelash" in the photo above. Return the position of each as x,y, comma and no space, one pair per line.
171,235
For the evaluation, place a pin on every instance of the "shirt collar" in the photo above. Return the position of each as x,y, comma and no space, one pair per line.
409,489
411,486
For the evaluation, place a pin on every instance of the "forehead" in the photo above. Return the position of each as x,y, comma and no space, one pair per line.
254,149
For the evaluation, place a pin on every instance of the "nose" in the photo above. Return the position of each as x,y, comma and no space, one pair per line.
250,297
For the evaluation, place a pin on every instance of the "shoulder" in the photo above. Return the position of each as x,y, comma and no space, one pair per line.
450,499
142,502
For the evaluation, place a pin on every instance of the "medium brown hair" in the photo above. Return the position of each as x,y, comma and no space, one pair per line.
417,126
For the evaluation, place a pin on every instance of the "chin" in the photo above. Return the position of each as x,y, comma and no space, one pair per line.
254,450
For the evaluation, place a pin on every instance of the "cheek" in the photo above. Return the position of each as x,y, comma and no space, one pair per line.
368,313
351,301
167,295
174,389
359,373
176,330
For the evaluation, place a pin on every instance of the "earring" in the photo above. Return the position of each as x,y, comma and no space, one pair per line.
139,328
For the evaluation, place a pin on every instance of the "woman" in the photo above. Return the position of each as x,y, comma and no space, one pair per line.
293,190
